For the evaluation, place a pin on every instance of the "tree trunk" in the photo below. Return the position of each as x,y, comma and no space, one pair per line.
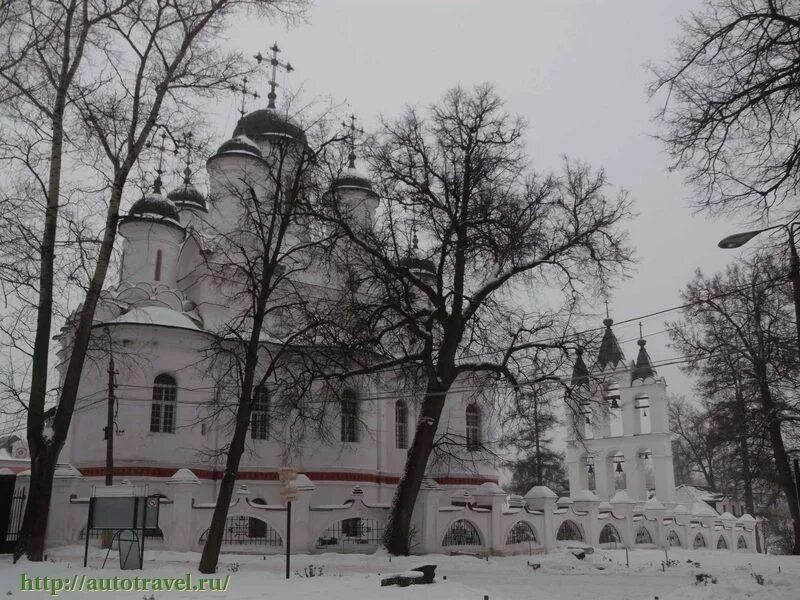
779,453
211,550
37,508
397,537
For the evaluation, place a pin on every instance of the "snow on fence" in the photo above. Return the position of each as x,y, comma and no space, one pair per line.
486,521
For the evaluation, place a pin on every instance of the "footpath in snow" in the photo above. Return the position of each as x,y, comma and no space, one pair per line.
559,576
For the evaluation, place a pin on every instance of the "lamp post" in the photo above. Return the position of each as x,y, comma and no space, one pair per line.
740,239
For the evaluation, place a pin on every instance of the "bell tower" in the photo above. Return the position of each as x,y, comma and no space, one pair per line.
619,438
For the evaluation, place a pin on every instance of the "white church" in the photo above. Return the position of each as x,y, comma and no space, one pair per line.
162,312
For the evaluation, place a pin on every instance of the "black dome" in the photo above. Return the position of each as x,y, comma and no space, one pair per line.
154,206
352,178
240,144
418,264
267,122
187,194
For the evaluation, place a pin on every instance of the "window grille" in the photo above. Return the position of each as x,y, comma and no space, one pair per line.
673,539
352,535
247,531
643,536
520,533
349,417
609,535
569,531
462,533
162,411
473,427
259,417
401,425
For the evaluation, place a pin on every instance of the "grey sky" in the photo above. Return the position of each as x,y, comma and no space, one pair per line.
573,68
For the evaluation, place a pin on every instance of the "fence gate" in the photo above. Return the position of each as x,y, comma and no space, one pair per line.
11,504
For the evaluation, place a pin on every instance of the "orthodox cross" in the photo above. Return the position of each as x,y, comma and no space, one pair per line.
244,91
352,140
640,330
607,315
188,146
275,63
162,147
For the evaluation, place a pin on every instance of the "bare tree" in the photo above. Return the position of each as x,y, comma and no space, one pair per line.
261,255
84,85
729,98
742,320
491,234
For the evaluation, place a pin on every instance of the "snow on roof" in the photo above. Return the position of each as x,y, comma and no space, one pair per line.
183,476
156,315
745,518
585,496
653,504
622,497
541,491
488,489
681,510
701,509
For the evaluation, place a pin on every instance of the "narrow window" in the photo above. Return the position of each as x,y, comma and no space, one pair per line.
158,265
473,429
401,425
349,418
259,418
162,411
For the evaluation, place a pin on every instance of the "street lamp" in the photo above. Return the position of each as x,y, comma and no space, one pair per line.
740,239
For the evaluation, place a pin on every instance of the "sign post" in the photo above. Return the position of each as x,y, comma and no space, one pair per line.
288,493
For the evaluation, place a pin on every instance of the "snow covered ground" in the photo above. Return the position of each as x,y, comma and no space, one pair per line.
561,576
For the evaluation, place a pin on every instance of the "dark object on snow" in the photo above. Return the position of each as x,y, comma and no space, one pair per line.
534,566
704,578
579,554
428,572
405,579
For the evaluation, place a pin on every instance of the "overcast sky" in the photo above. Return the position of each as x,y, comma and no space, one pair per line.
575,69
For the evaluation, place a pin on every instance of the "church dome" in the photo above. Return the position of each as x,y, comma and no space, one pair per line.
239,144
415,263
154,206
187,195
351,178
267,122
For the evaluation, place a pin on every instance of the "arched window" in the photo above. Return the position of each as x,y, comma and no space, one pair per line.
401,425
699,541
158,266
462,533
610,535
473,428
569,531
349,417
721,543
259,418
673,539
521,533
643,536
741,543
162,411
256,528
